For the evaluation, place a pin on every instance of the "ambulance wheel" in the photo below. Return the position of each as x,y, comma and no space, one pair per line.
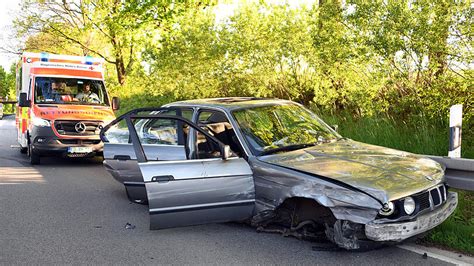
24,150
34,157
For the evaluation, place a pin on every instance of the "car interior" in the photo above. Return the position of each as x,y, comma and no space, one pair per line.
217,125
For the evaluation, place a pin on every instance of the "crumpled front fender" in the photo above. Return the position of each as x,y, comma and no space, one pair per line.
345,204
275,184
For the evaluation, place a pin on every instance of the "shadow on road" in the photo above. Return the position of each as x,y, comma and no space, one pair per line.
70,162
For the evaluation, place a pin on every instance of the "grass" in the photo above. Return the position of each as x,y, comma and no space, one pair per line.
417,135
422,137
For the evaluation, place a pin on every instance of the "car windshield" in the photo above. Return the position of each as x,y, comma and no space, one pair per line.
276,128
70,91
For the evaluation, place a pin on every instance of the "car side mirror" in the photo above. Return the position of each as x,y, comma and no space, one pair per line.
23,101
226,153
115,103
335,127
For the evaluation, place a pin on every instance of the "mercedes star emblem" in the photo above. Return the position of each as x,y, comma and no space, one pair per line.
80,127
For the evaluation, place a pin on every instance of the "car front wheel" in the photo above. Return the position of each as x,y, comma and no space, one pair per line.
34,157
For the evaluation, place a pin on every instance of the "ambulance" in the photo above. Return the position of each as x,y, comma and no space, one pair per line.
62,105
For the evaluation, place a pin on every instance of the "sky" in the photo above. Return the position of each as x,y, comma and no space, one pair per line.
7,13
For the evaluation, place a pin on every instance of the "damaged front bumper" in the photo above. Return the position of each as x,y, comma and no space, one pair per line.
402,230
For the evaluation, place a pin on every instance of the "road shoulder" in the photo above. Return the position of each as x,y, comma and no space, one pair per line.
443,255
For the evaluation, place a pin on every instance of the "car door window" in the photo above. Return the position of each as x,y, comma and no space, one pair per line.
217,125
160,131
148,131
158,137
169,132
118,133
206,147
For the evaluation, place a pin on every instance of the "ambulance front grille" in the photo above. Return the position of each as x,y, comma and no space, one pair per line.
77,128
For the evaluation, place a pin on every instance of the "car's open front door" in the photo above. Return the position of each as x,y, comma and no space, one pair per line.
211,187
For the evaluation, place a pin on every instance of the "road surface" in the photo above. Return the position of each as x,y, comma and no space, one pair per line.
72,211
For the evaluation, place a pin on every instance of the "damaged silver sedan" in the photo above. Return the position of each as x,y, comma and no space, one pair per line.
274,164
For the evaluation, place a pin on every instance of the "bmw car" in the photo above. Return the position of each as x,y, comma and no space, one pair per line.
275,165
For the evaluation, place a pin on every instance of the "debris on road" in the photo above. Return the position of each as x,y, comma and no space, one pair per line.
129,226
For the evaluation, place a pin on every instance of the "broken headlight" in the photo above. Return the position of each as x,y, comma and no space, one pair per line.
387,209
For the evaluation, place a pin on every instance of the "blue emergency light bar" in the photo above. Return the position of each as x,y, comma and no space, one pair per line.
89,60
44,57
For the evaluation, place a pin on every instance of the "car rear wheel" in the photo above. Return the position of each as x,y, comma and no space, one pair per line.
23,150
34,157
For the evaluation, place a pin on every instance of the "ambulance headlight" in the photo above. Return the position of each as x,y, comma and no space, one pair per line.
40,122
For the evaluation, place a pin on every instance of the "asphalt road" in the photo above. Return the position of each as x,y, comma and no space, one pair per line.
71,211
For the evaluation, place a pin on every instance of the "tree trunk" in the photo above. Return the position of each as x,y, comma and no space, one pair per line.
121,72
117,46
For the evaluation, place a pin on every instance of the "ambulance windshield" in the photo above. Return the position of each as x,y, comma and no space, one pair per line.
70,91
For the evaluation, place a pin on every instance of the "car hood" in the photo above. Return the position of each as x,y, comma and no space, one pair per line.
384,173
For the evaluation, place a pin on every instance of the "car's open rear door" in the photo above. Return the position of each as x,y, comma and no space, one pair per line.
195,191
119,155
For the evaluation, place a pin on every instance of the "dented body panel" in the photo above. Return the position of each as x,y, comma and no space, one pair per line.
274,184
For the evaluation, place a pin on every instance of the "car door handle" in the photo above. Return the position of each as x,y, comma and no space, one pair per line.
122,157
162,178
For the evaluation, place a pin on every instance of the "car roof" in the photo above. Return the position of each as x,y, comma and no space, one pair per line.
231,103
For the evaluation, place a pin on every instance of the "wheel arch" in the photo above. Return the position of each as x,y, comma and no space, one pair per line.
307,208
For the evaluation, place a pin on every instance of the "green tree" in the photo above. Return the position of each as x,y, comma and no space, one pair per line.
111,29
7,87
3,83
422,48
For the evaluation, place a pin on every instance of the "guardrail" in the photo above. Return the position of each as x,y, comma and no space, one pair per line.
8,102
459,171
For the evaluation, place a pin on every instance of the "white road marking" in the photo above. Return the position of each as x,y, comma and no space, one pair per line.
446,256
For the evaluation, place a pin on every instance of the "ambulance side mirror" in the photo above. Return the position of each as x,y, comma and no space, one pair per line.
115,103
23,101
